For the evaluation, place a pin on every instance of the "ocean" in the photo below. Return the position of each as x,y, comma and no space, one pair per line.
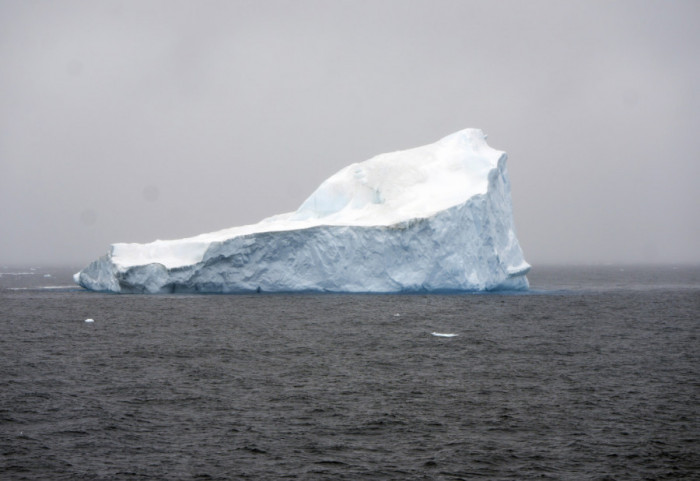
594,374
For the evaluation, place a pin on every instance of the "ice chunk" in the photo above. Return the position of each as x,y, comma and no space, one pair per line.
435,218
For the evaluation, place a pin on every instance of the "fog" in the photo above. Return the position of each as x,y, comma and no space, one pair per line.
129,121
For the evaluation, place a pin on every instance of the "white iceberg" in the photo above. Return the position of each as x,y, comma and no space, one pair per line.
436,218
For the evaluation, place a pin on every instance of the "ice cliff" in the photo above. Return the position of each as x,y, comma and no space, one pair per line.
435,218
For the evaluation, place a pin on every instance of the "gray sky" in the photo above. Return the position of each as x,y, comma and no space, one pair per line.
128,121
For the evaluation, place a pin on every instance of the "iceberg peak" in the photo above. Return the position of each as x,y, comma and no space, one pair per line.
431,218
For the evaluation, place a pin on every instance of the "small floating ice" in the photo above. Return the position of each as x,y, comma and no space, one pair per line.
397,314
47,275
443,334
89,320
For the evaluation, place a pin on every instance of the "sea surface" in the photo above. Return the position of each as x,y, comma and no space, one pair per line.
594,374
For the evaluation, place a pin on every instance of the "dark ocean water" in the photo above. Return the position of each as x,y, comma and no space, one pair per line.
594,374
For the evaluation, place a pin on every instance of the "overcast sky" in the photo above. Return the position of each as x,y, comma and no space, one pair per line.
129,121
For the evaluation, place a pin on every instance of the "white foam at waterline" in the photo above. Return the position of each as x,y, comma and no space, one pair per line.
443,334
39,288
89,320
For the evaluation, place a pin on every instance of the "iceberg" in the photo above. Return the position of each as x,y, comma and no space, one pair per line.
436,218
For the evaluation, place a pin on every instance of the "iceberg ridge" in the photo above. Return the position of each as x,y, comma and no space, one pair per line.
436,218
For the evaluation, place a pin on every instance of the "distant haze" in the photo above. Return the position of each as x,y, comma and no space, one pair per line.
128,121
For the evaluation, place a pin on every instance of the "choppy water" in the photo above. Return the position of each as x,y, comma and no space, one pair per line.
595,374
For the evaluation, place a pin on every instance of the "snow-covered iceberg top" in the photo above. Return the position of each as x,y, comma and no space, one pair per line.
375,198
384,190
